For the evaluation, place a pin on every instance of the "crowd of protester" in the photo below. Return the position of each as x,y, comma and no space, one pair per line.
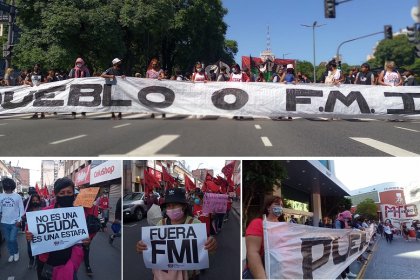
61,264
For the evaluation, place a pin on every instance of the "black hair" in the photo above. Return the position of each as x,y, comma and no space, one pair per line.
8,184
62,183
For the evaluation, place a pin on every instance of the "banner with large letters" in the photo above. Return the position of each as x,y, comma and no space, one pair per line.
175,247
56,229
294,251
214,98
399,214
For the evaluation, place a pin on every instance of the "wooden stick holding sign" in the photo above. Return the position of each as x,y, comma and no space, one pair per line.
175,247
86,197
56,229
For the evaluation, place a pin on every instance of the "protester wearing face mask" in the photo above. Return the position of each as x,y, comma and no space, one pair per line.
176,207
79,71
62,263
11,211
254,237
237,75
34,204
199,74
343,221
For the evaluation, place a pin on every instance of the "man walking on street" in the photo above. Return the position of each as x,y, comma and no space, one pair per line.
11,210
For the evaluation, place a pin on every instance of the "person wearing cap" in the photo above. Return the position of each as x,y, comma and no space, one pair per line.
288,77
177,208
11,212
112,73
63,263
79,71
365,76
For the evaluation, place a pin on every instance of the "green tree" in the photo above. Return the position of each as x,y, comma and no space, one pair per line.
259,179
398,49
367,209
306,68
55,32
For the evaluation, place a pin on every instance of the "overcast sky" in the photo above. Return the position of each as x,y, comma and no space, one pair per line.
363,172
34,165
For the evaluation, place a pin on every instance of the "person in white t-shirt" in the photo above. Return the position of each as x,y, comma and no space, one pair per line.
390,76
199,75
11,209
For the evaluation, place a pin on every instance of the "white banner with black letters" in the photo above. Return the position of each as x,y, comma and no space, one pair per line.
294,251
214,98
56,229
175,247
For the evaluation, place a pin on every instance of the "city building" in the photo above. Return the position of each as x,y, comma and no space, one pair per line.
200,174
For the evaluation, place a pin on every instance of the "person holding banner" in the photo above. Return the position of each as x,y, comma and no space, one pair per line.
176,208
254,237
33,204
112,73
11,212
343,222
61,264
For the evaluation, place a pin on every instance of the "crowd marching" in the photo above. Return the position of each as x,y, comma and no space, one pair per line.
273,211
286,74
61,264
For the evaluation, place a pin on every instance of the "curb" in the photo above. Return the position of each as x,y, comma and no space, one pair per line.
362,271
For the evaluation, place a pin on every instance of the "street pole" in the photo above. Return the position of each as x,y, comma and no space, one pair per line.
313,41
351,40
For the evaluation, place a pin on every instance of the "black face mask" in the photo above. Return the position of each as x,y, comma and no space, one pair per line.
36,204
65,201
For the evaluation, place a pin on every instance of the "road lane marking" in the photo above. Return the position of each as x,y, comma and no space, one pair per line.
1,135
384,147
413,130
152,147
130,225
257,126
11,278
68,139
3,123
122,125
266,142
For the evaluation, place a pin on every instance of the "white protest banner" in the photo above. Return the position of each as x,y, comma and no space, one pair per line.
215,203
175,247
214,98
56,229
398,214
294,251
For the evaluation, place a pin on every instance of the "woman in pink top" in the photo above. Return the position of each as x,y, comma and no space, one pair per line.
390,76
199,74
155,72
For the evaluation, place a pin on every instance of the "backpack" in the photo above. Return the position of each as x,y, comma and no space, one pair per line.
93,224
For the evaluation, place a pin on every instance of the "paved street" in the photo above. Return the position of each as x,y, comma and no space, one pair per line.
224,264
105,260
138,135
397,260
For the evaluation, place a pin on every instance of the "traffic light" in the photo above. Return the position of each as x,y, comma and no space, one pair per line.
388,31
329,7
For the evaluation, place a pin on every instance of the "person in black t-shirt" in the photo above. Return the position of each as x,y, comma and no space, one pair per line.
112,73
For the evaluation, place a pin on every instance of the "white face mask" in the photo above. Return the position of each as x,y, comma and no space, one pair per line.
79,65
199,69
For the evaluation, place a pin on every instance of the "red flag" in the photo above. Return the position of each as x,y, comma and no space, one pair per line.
150,182
37,188
228,170
168,178
211,186
189,185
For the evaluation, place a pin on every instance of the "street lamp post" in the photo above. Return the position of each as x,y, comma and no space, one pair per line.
285,54
313,37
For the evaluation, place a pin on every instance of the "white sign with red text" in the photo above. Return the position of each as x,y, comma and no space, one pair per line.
106,171
400,213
